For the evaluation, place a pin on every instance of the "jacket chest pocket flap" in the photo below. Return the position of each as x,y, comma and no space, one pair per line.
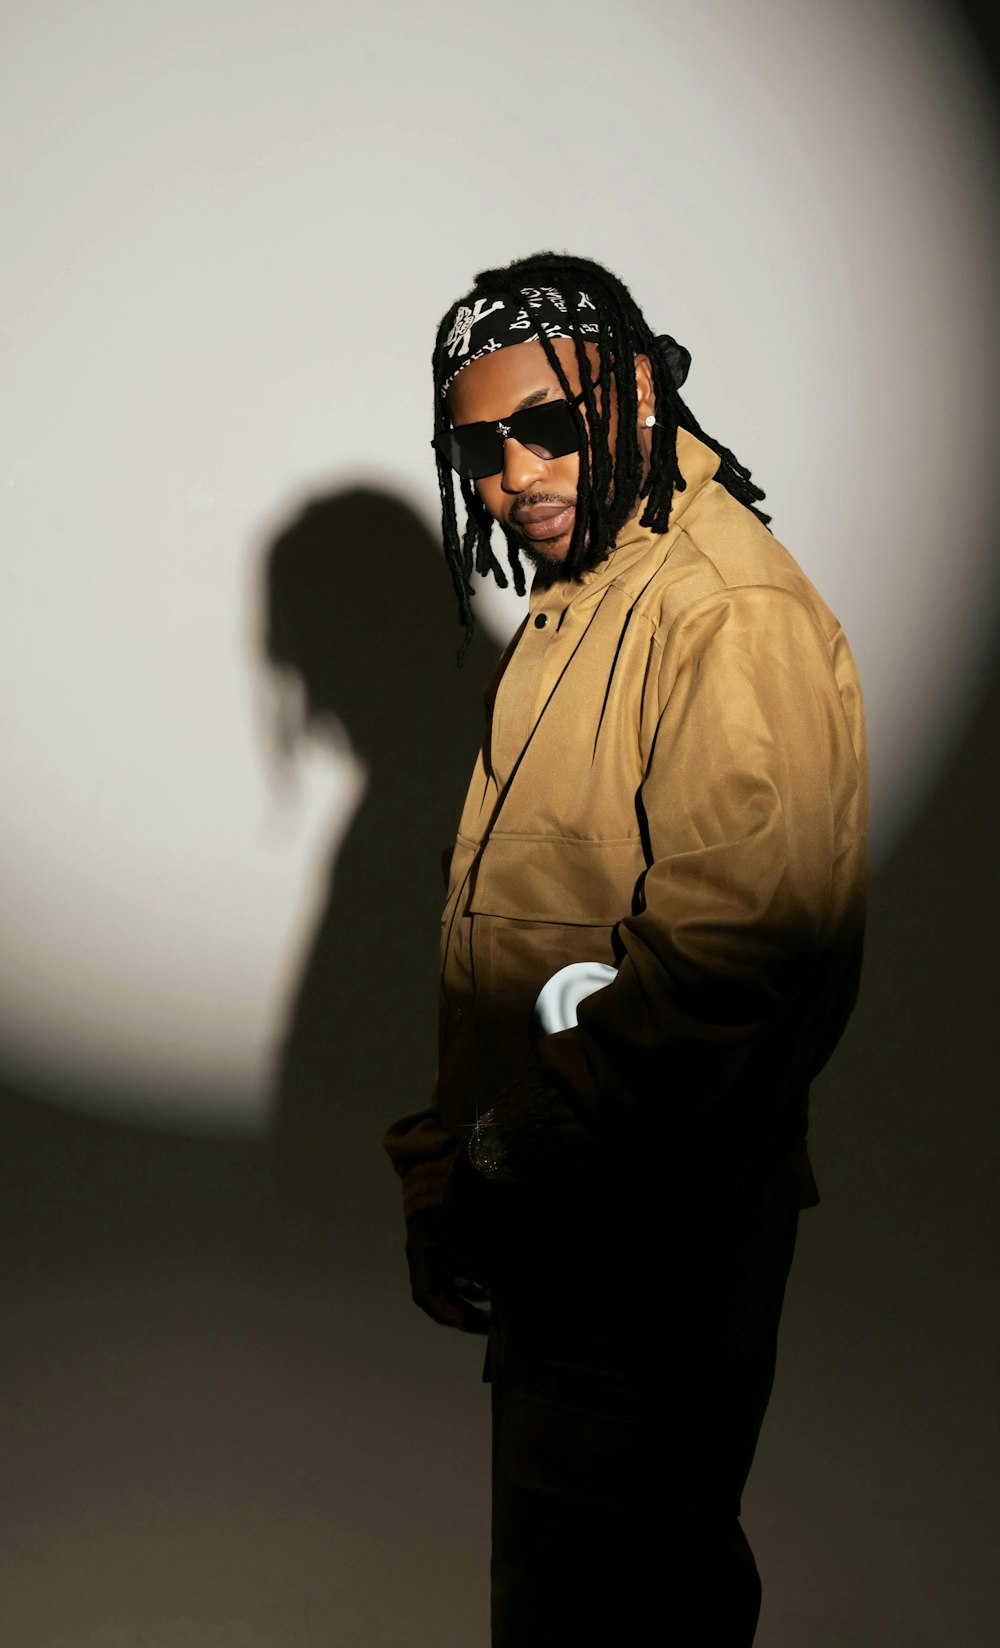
549,878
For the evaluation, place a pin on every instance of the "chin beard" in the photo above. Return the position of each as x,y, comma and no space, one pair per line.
548,570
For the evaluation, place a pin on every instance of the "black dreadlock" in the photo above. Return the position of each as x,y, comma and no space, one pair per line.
608,485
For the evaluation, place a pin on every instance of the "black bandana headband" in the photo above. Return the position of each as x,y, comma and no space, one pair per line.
496,321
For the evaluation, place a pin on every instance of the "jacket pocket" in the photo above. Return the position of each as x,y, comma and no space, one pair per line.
569,882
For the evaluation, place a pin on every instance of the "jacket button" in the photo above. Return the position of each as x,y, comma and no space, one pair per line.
459,1014
541,619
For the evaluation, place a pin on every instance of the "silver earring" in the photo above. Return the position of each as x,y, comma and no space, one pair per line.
650,421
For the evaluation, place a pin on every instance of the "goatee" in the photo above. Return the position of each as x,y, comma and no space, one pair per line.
548,570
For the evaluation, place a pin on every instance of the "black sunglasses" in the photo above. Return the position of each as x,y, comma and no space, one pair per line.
476,449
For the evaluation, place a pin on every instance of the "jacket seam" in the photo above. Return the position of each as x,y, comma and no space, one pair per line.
662,635
570,840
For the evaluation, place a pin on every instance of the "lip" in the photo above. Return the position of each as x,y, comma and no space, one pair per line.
547,523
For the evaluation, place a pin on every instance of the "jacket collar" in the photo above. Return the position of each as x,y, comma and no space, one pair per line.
638,550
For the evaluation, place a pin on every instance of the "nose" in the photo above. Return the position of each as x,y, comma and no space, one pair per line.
522,468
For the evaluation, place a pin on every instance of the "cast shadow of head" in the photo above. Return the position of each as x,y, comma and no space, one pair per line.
361,625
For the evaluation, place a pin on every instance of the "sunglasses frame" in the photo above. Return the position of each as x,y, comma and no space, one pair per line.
504,429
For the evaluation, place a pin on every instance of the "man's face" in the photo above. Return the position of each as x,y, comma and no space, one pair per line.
532,498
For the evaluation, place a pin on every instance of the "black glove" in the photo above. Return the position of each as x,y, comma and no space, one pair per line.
532,1137
492,1223
435,1285
473,1217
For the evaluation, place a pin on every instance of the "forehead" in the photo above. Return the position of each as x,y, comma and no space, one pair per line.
493,385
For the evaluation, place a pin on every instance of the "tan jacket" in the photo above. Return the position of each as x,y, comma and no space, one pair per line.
672,780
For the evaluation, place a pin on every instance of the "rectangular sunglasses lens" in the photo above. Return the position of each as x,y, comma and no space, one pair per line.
472,451
547,429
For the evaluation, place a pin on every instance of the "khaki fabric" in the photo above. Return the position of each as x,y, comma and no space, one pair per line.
673,779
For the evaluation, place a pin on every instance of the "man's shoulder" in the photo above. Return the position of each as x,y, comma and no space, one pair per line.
724,552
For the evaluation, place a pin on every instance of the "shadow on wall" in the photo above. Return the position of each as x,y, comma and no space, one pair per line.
359,612
202,1397
361,618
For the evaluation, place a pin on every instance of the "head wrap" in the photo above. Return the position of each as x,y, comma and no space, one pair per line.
481,325
497,320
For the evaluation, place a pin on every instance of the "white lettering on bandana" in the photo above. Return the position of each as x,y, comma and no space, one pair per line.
523,328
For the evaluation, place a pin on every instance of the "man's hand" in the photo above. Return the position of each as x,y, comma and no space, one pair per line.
432,1283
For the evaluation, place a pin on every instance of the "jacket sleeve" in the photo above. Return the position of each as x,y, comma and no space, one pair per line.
418,1146
421,1152
738,969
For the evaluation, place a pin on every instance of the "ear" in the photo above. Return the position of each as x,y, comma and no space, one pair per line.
644,387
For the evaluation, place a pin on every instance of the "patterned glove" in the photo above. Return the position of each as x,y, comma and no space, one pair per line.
530,1136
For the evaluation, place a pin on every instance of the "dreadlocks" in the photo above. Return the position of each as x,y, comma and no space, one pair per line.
609,484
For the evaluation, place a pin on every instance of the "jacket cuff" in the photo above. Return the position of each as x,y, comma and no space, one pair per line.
531,1136
423,1185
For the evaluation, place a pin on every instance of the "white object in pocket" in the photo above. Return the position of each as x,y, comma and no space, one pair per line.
561,995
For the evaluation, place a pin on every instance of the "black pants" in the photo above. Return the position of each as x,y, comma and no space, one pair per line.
631,1360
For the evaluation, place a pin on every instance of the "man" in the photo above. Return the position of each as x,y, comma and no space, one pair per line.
672,784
